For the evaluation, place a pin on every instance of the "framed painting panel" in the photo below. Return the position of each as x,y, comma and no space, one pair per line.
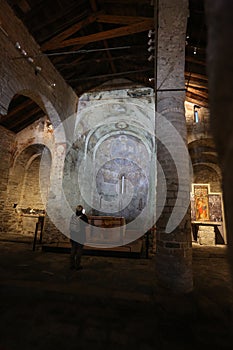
201,201
215,207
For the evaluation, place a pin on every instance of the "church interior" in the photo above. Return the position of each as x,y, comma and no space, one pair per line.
124,107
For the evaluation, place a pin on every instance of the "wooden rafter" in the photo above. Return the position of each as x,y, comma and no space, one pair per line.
196,100
113,67
196,75
120,19
24,116
98,17
194,60
201,93
108,34
70,31
20,107
198,85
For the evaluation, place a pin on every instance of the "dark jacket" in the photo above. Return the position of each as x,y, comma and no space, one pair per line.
78,228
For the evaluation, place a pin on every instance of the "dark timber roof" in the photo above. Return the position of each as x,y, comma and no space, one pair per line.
94,41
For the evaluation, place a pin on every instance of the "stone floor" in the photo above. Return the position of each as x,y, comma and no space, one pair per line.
113,303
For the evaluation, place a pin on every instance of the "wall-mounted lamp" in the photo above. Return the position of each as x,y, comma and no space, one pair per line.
151,48
150,33
38,69
195,113
150,58
30,60
24,53
150,42
17,46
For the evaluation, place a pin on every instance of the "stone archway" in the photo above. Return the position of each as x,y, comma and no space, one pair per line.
27,189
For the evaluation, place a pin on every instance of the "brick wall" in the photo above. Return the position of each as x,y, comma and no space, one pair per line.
18,77
6,142
206,175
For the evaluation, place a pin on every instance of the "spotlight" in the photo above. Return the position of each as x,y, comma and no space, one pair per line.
37,70
151,79
30,60
53,84
150,42
151,48
150,33
195,50
17,45
150,58
23,52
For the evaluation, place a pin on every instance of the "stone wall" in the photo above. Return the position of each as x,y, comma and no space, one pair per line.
27,183
200,130
18,75
205,165
6,142
58,102
173,229
207,175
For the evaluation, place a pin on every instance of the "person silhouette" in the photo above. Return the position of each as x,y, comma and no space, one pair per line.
78,223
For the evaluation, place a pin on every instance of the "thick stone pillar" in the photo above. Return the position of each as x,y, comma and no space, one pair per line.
174,245
220,77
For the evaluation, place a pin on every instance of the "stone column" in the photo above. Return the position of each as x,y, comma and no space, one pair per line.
220,77
173,233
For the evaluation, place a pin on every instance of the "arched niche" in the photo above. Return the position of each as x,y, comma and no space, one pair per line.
30,181
28,186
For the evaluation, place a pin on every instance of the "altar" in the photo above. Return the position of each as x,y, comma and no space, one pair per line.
208,232
105,230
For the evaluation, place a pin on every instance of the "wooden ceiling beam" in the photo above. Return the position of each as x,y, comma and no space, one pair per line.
108,34
126,2
97,60
198,92
108,54
194,60
120,19
197,101
195,75
24,6
197,85
24,117
70,31
111,75
17,109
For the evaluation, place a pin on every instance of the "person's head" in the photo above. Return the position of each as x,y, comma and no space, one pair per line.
79,209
